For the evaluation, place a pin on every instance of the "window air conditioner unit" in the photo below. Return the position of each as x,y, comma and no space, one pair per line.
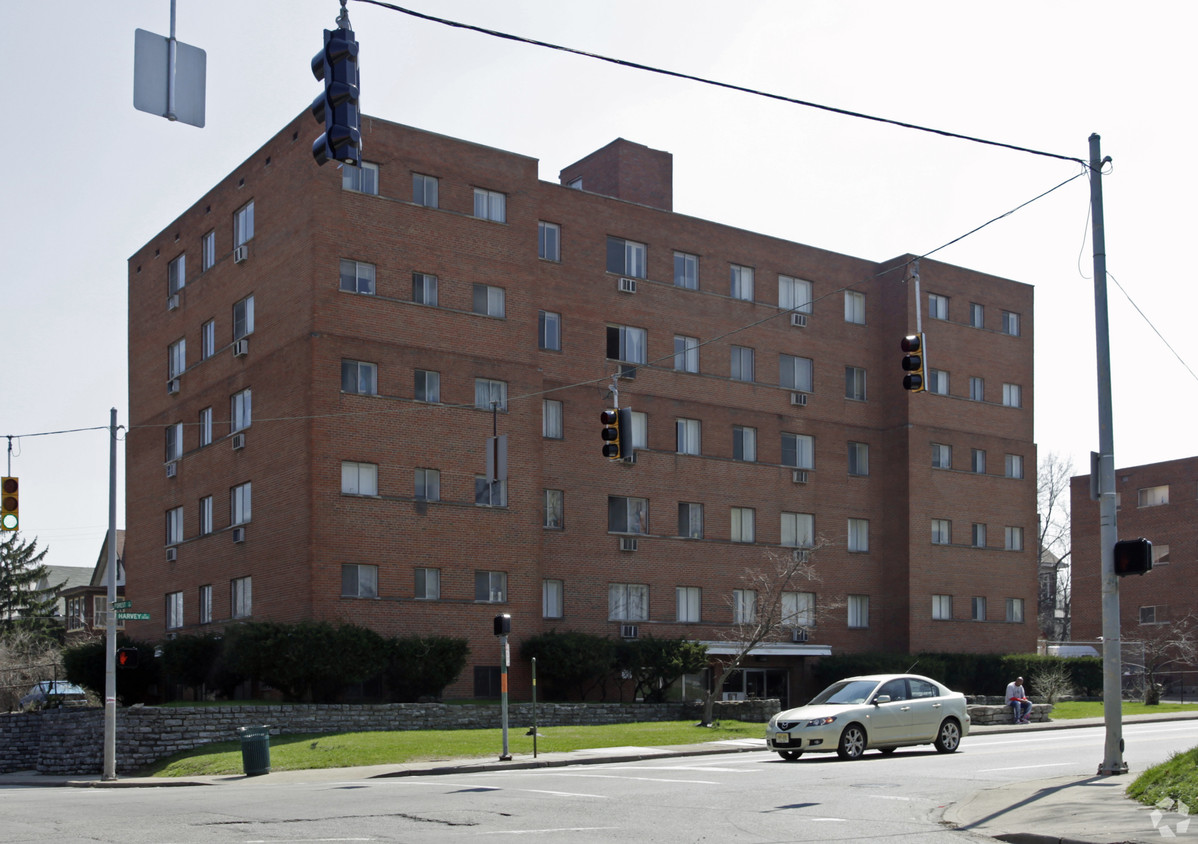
172,302
798,635
239,534
799,476
798,399
241,253
627,543
798,320
801,555
241,348
172,386
238,442
628,285
171,469
171,554
628,631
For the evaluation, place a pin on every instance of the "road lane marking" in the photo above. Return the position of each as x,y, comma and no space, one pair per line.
1027,767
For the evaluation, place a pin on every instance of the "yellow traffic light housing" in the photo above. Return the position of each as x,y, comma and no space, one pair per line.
9,500
914,363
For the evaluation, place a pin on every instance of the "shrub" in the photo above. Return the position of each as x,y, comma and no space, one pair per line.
656,664
86,664
571,665
422,666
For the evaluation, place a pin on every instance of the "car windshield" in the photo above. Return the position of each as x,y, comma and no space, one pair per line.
846,692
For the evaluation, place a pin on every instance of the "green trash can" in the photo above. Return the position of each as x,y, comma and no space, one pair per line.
255,750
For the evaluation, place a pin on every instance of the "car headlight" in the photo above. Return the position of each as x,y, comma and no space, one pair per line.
821,722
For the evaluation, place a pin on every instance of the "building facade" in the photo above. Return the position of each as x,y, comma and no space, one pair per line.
339,345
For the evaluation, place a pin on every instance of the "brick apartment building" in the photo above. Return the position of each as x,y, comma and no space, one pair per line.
334,340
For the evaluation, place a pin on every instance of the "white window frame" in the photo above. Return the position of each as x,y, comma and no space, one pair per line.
208,339
1014,466
633,261
240,501
1012,538
208,251
797,530
977,608
424,289
740,284
549,241
361,179
176,274
938,381
686,270
977,461
361,376
243,318
359,478
552,595
688,601
174,442
794,294
977,388
742,524
365,580
744,606
551,419
854,307
357,277
854,383
490,205
206,510
174,526
243,224
942,607
627,514
555,509
549,331
1015,610
686,353
977,315
176,358
205,603
1152,496
205,427
858,459
426,386
240,410
488,391
742,364
796,373
798,609
688,436
744,443
1010,323
942,456
627,602
427,584
640,429
690,519
937,306
858,536
174,610
1012,395
978,535
492,584
803,448
489,300
488,493
858,612
942,532
426,190
427,485
241,596
631,343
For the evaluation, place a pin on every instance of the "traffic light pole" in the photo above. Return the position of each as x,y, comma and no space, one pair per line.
110,645
1112,687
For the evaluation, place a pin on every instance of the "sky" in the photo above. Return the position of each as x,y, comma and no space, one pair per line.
88,179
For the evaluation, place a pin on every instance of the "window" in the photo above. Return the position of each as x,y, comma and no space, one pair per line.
490,205
551,419
359,581
176,275
549,241
1148,615
357,277
977,608
854,307
488,392
1015,610
554,509
174,526
690,601
859,459
858,539
858,611
551,599
690,520
798,609
490,586
744,606
243,224
688,436
363,179
428,584
937,306
977,461
240,411
626,257
424,190
742,363
627,515
176,358
854,383
1013,538
549,331
206,515
208,251
977,315
979,535
795,373
174,441
206,604
798,530
424,289
1014,465
625,343
359,377
938,382
942,532
239,504
488,493
640,429
741,283
174,610
1012,395
1153,496
686,353
427,386
743,528
208,339
627,602
794,294
798,451
1010,323
942,607
744,443
243,318
359,478
489,300
977,389
942,456
242,597
686,271
428,485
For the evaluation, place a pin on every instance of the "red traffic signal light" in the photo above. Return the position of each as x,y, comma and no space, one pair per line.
1133,556
9,495
913,363
127,658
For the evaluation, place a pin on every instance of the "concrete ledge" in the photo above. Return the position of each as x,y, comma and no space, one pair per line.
1000,714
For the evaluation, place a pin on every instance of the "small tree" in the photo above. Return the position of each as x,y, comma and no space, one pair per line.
22,604
656,664
25,660
571,664
192,660
422,666
1166,645
1053,546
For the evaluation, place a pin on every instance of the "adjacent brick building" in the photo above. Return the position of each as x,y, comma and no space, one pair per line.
322,348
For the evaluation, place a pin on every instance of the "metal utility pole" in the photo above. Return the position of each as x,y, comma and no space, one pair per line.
1112,686
110,644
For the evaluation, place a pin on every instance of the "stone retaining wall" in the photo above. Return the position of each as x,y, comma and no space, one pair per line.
1002,714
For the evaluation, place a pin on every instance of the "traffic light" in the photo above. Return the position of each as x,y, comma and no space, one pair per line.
127,658
337,107
913,363
617,432
1133,556
9,489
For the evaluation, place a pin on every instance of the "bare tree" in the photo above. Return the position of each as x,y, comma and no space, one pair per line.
1053,546
1165,646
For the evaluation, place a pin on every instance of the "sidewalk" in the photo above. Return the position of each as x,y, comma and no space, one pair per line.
1060,810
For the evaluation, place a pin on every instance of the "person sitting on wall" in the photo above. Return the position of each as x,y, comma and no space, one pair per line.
1021,707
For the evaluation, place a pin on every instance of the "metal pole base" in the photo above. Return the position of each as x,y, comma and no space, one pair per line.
505,758
1107,769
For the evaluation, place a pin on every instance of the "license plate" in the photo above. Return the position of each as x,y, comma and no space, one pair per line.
782,738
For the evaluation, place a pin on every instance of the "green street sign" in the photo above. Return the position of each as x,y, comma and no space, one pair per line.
121,605
133,616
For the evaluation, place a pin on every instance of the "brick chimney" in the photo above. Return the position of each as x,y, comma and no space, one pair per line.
626,171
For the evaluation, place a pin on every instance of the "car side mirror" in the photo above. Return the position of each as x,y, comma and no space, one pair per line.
881,699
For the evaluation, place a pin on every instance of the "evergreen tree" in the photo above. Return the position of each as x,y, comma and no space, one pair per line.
21,569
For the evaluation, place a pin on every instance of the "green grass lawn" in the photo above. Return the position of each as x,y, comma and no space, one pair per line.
339,750
1066,710
1169,782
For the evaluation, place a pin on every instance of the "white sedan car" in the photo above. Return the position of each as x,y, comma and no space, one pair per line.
879,711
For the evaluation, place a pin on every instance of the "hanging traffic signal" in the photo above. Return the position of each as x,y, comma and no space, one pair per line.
1133,556
617,432
913,363
337,107
9,489
127,658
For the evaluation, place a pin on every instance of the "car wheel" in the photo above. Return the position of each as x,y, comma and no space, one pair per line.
790,755
852,742
949,737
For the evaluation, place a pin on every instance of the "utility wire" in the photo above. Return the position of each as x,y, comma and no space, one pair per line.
1144,316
